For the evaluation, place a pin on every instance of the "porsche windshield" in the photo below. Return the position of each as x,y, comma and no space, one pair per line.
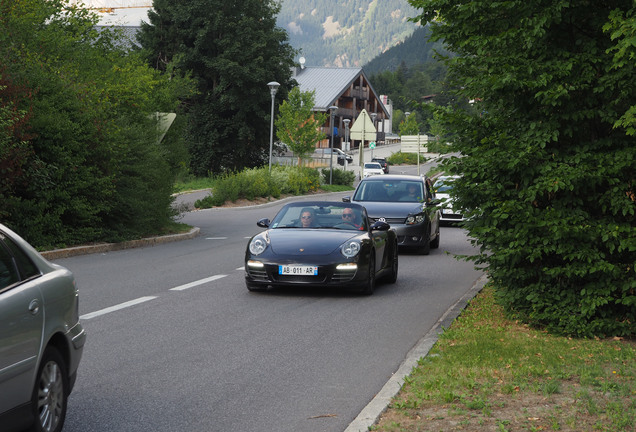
310,215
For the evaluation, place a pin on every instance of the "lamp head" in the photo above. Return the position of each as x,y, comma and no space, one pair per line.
273,87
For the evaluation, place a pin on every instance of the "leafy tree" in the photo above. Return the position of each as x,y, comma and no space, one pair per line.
548,165
410,125
86,162
14,150
297,124
232,50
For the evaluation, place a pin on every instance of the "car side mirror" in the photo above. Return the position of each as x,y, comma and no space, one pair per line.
346,199
263,223
380,226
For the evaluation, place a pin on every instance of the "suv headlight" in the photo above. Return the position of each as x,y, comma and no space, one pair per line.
350,249
415,219
259,244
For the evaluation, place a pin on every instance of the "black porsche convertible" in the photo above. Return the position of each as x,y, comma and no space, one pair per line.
321,243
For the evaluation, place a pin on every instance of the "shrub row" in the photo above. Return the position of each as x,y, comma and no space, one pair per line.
338,177
259,182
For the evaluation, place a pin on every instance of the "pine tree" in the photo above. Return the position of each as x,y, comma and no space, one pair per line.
232,49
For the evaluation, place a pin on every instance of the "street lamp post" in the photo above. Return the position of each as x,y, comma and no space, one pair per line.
273,88
332,110
346,123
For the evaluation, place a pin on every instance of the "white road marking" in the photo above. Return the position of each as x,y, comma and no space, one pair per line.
197,283
216,238
241,268
116,307
145,299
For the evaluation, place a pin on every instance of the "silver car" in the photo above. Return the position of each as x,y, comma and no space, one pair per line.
41,338
407,203
442,187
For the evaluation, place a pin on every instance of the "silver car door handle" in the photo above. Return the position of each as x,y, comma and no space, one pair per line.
34,307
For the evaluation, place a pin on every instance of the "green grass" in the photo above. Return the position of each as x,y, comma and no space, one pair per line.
489,372
195,183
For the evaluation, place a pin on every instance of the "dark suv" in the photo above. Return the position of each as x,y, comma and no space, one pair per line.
382,161
407,203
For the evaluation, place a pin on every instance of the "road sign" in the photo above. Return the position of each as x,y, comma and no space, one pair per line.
372,144
411,143
363,128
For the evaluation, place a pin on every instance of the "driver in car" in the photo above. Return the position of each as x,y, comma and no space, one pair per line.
350,217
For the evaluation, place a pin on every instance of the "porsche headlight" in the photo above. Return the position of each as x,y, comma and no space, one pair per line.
415,219
350,248
259,244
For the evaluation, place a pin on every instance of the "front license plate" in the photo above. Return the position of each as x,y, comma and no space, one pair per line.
299,270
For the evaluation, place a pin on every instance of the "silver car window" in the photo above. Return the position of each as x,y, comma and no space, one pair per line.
8,271
25,266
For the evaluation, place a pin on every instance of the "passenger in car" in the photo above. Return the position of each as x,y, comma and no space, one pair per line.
411,194
308,218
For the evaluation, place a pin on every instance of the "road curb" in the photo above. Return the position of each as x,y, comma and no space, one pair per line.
109,247
374,409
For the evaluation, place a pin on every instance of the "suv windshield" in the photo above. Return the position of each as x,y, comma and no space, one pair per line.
389,191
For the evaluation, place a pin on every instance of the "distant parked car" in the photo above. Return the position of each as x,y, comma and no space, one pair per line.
372,168
342,156
41,338
442,187
382,161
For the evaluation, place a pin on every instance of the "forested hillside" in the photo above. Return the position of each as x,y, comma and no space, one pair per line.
350,33
415,50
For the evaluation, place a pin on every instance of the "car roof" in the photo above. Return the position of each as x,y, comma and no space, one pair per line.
389,177
322,204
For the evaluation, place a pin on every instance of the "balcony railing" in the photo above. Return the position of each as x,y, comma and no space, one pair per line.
360,93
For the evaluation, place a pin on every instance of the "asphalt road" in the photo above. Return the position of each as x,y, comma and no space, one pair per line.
177,343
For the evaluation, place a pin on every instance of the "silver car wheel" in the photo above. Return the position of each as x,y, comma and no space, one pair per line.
50,393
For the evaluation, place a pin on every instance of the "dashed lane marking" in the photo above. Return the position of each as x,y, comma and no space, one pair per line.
197,283
116,307
148,298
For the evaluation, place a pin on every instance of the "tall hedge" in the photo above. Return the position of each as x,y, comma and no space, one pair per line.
84,163
548,154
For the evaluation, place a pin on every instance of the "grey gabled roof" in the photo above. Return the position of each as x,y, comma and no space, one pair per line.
328,82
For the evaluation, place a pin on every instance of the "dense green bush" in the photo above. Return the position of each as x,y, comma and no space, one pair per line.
404,158
79,140
260,183
548,166
338,177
